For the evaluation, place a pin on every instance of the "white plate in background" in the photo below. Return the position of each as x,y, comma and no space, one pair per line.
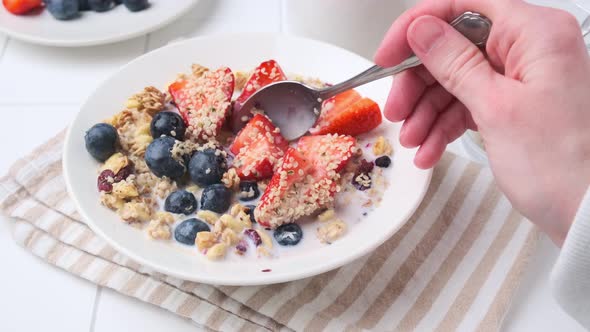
239,52
92,28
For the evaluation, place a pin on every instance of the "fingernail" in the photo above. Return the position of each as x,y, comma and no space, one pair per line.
425,33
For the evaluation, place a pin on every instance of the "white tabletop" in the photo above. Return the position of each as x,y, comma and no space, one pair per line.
41,89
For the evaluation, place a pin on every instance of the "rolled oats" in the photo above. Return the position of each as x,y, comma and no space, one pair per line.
158,230
330,232
231,179
217,251
207,216
135,211
150,100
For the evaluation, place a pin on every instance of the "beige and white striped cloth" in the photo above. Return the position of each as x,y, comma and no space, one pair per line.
453,266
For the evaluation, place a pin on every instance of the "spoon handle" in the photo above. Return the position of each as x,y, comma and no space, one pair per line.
474,26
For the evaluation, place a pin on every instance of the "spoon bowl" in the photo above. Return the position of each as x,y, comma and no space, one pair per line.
293,107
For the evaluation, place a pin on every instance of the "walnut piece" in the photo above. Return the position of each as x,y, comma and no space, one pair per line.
115,163
125,190
382,147
205,240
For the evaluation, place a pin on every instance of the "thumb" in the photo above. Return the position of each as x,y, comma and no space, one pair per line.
456,63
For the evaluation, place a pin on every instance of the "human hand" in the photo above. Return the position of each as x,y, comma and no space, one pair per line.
529,97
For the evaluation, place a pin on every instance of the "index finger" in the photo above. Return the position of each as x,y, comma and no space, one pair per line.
394,47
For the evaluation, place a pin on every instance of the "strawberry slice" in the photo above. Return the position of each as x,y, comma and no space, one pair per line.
306,180
258,148
266,73
347,114
20,7
204,102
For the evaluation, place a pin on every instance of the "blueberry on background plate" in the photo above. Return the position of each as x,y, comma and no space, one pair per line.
181,201
216,198
83,5
206,168
383,162
136,5
63,9
100,5
159,159
101,140
249,190
186,231
288,234
168,124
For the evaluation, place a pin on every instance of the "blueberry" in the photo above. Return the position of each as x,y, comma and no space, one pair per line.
249,190
250,211
216,198
136,5
63,9
83,5
181,201
158,157
101,140
168,124
186,231
383,162
288,234
100,5
206,167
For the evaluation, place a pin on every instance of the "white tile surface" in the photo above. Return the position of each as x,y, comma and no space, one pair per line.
117,312
37,74
40,90
255,10
43,122
37,297
534,308
205,22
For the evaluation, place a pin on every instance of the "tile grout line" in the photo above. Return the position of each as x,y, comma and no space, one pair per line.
281,15
4,47
146,45
95,308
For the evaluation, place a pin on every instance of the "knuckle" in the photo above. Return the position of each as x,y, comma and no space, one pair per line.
461,68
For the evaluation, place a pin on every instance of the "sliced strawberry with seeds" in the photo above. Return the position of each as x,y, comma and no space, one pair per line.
348,114
258,148
266,73
20,7
204,102
306,180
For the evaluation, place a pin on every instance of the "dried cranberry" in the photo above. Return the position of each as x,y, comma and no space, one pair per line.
123,173
365,167
364,171
241,247
253,234
105,180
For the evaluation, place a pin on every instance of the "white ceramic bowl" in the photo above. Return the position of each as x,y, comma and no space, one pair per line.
92,28
473,145
296,55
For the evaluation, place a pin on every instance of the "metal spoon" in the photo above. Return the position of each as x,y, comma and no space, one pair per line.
294,107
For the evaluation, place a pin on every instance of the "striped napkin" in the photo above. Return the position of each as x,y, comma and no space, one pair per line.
453,266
